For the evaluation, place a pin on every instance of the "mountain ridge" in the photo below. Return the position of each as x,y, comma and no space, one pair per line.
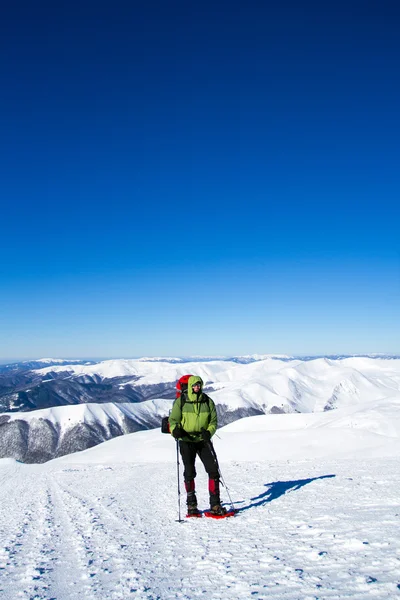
119,397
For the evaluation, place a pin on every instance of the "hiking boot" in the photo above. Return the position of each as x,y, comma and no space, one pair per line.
218,510
192,510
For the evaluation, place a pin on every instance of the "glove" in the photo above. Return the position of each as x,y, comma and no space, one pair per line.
206,435
178,432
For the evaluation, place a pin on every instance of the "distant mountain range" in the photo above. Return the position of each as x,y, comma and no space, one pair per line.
26,365
52,407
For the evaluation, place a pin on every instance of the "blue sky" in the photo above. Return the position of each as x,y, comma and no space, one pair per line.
186,179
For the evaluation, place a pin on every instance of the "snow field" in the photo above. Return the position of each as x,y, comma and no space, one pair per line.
310,529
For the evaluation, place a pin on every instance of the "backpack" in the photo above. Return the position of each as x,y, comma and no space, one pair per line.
181,389
182,385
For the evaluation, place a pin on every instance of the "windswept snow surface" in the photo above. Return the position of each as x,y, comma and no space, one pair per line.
318,515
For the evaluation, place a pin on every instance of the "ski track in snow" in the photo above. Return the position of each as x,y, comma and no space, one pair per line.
307,529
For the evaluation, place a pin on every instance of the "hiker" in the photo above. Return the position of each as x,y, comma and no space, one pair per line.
193,421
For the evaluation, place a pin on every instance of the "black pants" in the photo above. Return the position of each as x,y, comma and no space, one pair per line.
189,451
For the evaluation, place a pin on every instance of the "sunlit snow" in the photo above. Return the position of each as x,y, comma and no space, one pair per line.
317,495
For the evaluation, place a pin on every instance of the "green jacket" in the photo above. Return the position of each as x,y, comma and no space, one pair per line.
198,412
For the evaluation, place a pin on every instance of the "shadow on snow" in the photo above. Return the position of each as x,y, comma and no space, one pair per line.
279,488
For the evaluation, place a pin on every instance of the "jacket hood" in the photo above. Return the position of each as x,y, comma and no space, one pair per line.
192,380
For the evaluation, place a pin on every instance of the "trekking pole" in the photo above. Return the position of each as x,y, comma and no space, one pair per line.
179,485
213,453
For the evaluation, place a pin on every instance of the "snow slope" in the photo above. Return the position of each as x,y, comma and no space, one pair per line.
305,386
318,515
65,417
371,430
41,435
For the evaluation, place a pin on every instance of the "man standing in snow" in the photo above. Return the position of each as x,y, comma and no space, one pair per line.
193,421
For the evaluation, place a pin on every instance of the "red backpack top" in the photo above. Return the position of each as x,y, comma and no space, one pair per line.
182,385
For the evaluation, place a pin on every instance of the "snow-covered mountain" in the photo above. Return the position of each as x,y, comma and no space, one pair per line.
271,385
41,435
134,394
365,429
40,363
56,382
317,496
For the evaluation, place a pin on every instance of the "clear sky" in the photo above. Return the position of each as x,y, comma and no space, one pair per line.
199,178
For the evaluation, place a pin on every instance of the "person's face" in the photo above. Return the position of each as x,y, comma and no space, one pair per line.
196,388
